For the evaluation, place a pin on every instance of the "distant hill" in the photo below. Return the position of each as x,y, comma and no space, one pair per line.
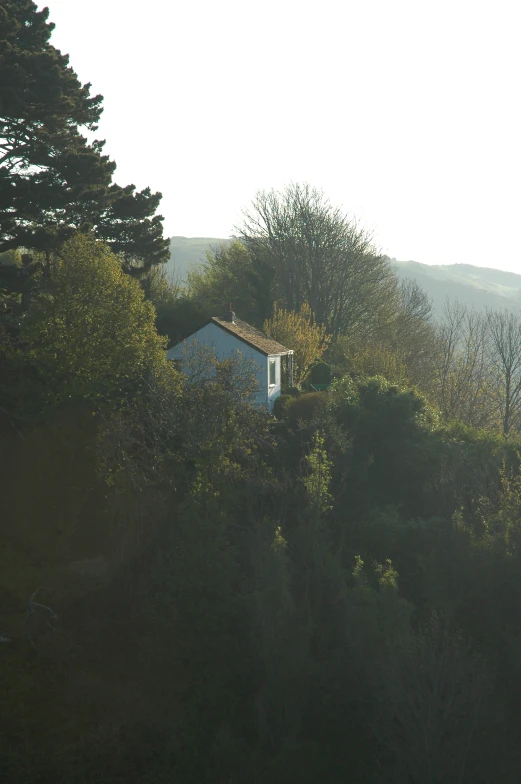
187,251
477,287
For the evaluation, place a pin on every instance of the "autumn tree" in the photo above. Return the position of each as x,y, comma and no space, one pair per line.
53,182
298,331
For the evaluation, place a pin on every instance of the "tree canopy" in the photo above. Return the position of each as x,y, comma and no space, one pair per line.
308,340
53,181
227,275
91,336
307,251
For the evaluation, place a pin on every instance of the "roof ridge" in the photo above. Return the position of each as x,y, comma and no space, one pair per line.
251,335
250,327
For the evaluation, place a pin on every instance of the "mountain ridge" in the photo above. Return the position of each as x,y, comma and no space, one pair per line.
476,287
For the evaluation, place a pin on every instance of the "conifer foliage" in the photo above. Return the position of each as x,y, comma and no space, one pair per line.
53,181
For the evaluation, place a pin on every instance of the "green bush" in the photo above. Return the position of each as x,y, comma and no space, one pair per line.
303,408
279,406
320,373
394,447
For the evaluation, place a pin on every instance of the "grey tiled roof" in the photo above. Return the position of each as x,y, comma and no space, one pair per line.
252,336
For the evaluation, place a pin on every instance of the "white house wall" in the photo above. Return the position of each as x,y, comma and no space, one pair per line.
225,345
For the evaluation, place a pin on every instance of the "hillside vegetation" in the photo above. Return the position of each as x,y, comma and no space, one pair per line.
474,287
188,252
196,590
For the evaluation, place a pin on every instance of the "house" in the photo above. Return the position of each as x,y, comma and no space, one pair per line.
228,335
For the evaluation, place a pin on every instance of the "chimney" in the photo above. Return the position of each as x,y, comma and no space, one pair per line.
230,315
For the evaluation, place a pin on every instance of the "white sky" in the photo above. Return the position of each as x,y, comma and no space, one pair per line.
405,112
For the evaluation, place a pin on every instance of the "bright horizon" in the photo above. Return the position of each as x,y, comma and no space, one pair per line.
403,113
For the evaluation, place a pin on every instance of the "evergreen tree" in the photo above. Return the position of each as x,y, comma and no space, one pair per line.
53,182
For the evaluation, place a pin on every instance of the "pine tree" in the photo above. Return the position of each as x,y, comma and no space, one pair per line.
53,182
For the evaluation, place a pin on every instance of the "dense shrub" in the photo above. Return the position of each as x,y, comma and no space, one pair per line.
303,408
279,406
320,373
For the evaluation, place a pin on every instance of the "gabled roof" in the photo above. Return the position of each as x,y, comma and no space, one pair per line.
253,337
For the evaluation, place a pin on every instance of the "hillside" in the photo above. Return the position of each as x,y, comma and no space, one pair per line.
478,287
185,251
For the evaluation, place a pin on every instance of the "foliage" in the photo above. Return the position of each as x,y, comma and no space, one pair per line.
54,182
179,318
92,336
318,480
304,407
320,373
279,405
377,359
402,348
176,315
11,258
261,625
391,427
299,332
161,288
235,374
228,275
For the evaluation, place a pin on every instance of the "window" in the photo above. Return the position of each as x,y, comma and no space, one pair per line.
273,372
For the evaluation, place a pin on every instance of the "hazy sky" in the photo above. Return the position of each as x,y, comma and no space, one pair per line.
405,112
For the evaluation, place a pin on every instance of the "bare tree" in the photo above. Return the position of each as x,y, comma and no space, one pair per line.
414,333
505,356
415,304
320,257
463,387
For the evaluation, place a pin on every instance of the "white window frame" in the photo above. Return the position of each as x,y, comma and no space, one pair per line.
272,363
